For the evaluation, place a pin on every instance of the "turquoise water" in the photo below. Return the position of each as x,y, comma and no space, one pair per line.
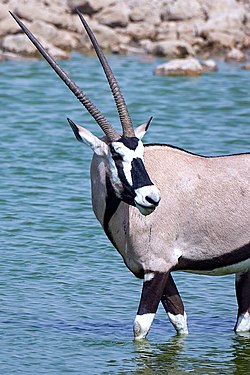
67,302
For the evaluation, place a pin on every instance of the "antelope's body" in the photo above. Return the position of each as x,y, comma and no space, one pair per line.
202,223
165,209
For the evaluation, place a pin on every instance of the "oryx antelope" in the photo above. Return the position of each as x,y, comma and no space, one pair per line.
165,209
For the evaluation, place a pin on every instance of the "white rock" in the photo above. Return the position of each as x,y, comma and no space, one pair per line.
182,10
20,44
8,26
4,11
186,67
175,48
235,55
209,65
106,36
115,16
89,7
141,30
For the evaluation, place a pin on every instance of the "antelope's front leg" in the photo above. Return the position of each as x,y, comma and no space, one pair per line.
153,287
242,285
173,305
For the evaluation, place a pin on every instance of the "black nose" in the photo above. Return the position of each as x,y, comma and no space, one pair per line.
152,201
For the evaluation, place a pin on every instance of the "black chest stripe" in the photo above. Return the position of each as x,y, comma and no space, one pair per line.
139,174
112,203
225,260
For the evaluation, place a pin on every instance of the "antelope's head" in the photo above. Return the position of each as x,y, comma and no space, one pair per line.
123,154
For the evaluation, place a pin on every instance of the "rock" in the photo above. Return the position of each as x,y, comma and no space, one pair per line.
246,66
128,50
235,55
144,13
140,30
54,15
9,56
59,38
8,27
185,67
138,14
182,10
115,16
220,39
171,49
4,11
89,7
20,44
122,25
209,66
47,31
224,27
106,36
57,53
167,30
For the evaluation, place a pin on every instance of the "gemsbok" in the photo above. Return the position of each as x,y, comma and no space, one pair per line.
163,208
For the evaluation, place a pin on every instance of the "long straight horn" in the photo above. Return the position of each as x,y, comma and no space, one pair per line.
105,125
125,119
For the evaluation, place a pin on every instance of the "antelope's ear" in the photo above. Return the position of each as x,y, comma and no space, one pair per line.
83,135
141,130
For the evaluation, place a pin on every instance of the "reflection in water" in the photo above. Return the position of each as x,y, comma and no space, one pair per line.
180,355
162,358
241,353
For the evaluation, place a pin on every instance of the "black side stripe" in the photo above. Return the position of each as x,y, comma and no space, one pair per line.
229,259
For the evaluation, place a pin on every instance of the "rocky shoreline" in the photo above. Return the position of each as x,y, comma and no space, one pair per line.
172,28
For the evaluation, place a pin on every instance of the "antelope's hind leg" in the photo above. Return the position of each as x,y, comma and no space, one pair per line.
174,307
153,287
242,285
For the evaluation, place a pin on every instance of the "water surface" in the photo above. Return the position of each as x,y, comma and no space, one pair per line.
67,302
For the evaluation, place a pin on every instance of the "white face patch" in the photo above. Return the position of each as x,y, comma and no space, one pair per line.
127,168
127,157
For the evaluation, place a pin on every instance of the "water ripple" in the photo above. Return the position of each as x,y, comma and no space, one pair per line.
67,301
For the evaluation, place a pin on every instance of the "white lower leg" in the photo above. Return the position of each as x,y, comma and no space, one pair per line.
142,325
179,322
243,323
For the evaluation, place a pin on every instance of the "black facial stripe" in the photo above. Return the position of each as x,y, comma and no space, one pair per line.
129,142
139,174
115,155
128,193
